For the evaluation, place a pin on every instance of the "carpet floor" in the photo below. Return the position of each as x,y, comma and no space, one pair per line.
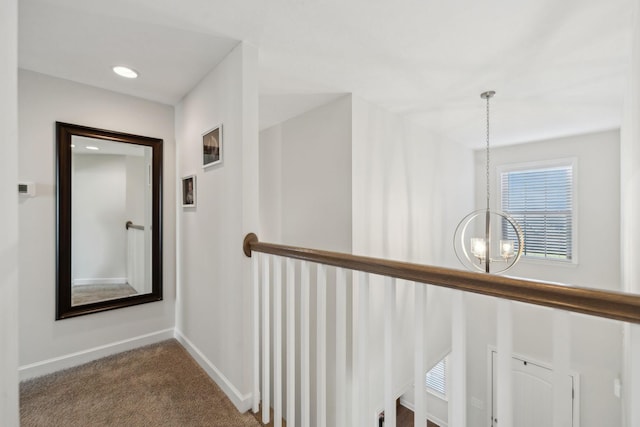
157,385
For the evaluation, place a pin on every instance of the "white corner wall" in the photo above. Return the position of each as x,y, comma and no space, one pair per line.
630,227
271,185
99,208
9,213
305,171
410,188
305,200
214,315
47,345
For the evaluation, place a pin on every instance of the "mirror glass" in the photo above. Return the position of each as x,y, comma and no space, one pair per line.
108,220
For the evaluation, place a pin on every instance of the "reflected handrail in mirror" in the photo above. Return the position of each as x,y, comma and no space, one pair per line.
130,224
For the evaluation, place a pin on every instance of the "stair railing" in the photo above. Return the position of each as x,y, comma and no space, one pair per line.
595,302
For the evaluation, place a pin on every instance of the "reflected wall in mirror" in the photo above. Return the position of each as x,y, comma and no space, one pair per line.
109,220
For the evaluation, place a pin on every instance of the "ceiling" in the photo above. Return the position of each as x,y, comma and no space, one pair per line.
558,67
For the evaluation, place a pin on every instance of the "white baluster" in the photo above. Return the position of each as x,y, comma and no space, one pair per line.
361,410
291,344
561,361
277,351
505,352
632,389
420,370
341,347
255,265
305,380
458,402
389,321
321,337
266,355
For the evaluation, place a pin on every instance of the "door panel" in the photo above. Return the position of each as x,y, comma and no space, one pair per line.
532,393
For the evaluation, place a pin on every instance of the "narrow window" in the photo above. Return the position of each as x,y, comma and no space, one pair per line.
436,379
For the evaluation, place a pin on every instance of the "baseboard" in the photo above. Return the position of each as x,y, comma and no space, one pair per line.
241,402
430,417
55,364
100,281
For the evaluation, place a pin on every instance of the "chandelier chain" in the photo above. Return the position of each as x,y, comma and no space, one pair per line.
476,250
488,154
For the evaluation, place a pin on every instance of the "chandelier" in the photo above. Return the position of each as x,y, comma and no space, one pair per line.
481,240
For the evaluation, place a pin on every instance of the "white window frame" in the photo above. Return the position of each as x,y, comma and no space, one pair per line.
547,164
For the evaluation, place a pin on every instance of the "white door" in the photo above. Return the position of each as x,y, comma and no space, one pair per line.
532,394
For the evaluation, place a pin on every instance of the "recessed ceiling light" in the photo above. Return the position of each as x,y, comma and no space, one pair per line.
125,72
91,147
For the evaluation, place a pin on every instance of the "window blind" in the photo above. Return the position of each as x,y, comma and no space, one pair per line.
541,201
436,379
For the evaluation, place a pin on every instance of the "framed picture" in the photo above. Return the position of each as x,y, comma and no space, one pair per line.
189,191
212,147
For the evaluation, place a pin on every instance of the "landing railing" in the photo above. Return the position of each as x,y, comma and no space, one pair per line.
135,257
350,403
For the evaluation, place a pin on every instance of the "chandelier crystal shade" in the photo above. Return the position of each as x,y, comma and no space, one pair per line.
478,240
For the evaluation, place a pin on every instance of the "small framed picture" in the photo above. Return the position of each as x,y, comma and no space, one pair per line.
189,191
212,147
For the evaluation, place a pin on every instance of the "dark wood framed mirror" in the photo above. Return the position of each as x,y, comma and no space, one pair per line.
109,220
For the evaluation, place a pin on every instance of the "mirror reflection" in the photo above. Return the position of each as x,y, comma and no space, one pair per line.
111,218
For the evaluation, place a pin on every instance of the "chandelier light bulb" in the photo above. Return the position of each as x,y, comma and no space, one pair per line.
507,248
479,247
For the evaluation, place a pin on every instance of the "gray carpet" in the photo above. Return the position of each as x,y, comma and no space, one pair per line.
157,385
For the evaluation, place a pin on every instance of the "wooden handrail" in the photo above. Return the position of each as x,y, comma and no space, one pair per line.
595,302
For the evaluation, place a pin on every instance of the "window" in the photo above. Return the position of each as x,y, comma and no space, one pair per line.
541,201
436,379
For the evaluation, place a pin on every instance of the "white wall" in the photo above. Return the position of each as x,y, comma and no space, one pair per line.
598,205
305,200
43,100
214,292
136,186
595,353
630,228
9,214
271,184
596,344
99,208
410,189
315,180
305,179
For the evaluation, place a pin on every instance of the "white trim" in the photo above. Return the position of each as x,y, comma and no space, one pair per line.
430,417
240,401
55,364
99,281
